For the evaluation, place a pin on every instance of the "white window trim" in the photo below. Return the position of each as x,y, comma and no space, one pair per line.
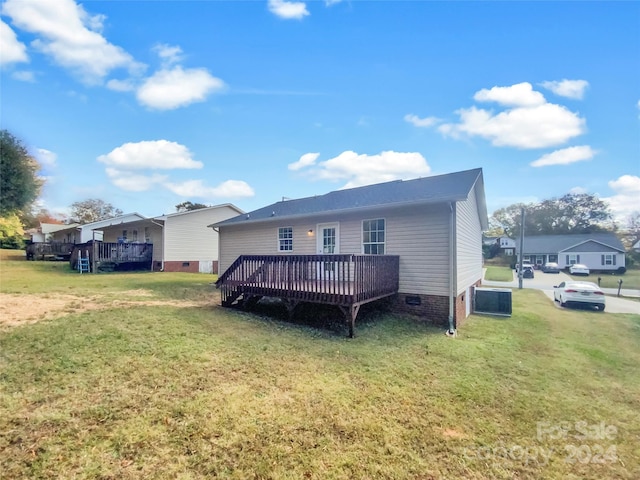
278,239
384,244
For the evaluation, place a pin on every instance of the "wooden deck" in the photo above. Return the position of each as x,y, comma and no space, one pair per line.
107,256
347,281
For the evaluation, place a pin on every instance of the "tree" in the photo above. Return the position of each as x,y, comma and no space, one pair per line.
188,206
11,231
93,210
19,181
572,213
33,218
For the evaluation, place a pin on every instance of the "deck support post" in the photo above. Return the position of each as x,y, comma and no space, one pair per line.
350,314
291,305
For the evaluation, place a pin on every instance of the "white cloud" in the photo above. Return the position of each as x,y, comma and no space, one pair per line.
421,122
155,154
519,95
13,51
46,158
567,88
361,169
541,126
288,10
24,76
565,156
170,89
625,199
197,188
305,160
121,85
168,54
70,36
133,182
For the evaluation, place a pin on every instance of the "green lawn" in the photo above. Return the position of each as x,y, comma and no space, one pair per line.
162,383
498,274
630,279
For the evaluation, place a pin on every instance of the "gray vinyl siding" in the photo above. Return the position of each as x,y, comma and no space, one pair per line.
468,243
419,235
187,237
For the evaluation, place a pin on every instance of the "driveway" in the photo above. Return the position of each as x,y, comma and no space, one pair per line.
546,282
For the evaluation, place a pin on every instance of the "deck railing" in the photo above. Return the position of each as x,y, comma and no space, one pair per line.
123,252
344,280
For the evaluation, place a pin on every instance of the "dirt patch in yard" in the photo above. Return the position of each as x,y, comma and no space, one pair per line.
16,310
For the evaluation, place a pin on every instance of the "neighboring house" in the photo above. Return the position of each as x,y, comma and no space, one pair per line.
189,245
182,242
507,246
598,251
140,231
92,231
44,233
433,225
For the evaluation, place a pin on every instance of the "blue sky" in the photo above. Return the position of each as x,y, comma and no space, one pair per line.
146,104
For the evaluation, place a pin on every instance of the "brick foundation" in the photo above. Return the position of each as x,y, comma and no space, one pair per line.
190,267
432,309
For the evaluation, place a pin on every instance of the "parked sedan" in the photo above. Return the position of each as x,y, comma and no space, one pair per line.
551,267
578,269
527,272
579,293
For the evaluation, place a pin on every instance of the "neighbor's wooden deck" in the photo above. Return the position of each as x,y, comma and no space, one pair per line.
347,281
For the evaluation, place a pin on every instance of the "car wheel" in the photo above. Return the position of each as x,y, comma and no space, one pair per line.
600,307
562,302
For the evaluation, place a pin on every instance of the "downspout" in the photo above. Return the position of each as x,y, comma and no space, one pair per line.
452,281
217,230
161,225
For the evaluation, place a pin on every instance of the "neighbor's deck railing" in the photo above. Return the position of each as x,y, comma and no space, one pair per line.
123,252
344,280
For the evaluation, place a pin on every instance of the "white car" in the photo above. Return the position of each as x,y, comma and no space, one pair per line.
578,269
579,293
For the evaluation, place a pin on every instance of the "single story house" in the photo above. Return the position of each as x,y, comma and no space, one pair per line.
598,251
147,231
92,231
418,242
44,232
188,244
182,241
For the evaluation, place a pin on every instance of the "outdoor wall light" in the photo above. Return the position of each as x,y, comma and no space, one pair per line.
310,232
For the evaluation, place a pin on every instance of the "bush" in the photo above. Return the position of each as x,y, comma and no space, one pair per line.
621,270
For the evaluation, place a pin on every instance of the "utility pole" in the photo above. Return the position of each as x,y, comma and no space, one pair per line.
520,273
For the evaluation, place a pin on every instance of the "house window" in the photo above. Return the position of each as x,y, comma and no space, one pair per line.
608,259
373,237
285,239
572,259
553,258
147,237
134,234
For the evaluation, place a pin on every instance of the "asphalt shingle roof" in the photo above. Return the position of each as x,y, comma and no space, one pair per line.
558,243
435,189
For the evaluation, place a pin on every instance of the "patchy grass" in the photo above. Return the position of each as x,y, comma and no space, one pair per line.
499,274
198,391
